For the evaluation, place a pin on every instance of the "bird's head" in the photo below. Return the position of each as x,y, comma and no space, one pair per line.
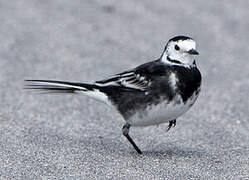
180,50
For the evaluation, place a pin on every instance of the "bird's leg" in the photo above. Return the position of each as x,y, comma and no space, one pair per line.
172,123
125,130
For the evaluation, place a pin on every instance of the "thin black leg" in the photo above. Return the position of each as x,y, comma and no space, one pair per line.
125,130
171,124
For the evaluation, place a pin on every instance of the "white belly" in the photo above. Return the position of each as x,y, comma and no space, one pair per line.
162,112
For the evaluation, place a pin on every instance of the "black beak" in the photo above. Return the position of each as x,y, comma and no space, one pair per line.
193,52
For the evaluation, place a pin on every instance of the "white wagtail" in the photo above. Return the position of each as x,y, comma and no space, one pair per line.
155,92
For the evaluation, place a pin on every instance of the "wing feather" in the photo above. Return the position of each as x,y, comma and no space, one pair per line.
127,79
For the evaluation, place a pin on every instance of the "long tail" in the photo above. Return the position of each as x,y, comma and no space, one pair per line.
52,86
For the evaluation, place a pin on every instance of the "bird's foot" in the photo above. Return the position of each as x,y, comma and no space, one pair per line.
125,130
171,124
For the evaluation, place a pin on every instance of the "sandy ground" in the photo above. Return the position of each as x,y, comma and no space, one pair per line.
74,137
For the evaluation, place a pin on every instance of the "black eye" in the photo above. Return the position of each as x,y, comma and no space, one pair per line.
177,48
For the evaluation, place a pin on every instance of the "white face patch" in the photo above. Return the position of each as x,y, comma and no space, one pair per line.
186,45
180,53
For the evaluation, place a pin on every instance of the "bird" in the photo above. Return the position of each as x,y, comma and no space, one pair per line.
155,92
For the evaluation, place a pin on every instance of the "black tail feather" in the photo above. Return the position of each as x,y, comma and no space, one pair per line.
52,86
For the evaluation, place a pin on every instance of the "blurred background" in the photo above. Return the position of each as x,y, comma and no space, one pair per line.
64,136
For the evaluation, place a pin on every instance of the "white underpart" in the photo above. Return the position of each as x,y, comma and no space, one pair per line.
97,95
173,81
162,112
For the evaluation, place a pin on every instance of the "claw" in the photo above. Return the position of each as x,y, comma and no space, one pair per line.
171,124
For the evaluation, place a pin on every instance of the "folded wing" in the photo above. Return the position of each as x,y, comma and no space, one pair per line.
127,79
